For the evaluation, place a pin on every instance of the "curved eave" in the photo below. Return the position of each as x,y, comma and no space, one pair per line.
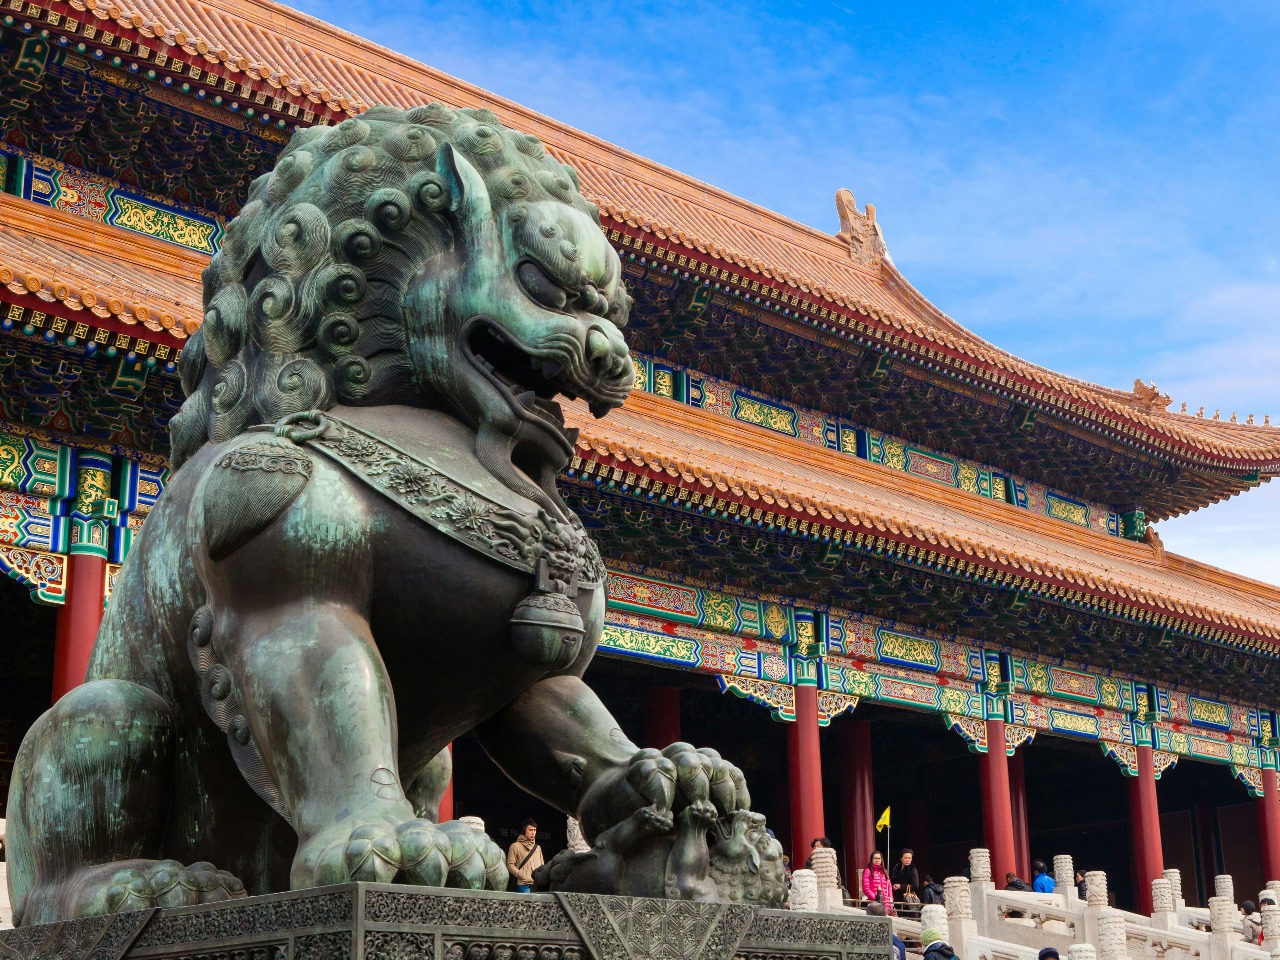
301,63
817,494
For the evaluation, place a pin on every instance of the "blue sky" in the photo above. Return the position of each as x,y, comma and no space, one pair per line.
1090,185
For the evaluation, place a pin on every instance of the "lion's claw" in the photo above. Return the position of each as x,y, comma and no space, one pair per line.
415,851
167,883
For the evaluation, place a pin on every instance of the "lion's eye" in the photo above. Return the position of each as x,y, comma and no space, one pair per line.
541,287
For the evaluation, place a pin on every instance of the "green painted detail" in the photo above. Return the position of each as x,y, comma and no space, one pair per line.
1133,525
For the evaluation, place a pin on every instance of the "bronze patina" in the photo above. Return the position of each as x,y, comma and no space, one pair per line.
362,555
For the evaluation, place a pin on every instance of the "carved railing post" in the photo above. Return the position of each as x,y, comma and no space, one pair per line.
1174,876
1271,928
934,916
1064,875
1224,886
980,863
1095,899
1222,923
1164,909
1082,951
1111,941
804,891
961,926
1095,888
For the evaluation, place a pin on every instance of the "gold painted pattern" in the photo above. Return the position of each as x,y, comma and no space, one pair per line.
648,644
908,649
164,224
1065,510
765,415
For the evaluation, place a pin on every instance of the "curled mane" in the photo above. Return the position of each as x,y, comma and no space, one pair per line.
304,305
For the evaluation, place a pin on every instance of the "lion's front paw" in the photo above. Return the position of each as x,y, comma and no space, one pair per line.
381,851
167,883
703,775
475,861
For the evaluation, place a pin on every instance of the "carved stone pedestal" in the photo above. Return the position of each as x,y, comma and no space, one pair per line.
363,921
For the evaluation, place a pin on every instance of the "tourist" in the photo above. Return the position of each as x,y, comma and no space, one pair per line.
818,842
1047,953
1081,886
1251,924
935,948
876,909
931,892
524,856
1014,882
905,879
1044,882
876,886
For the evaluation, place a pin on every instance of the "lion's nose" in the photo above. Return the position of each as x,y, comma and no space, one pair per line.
606,358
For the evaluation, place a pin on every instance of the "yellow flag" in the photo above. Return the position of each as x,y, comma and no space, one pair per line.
883,821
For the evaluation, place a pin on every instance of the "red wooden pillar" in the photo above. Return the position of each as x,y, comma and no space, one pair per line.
997,813
857,795
1018,801
1269,826
804,761
1144,815
78,620
661,717
446,801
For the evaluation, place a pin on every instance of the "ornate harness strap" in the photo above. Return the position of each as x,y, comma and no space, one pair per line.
521,541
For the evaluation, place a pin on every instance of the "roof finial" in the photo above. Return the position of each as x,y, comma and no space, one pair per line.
1266,419
1200,412
1233,416
860,231
1149,397
1184,407
1217,414
1250,419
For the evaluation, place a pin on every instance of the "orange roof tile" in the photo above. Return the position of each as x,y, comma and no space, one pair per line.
781,473
64,259
61,258
294,55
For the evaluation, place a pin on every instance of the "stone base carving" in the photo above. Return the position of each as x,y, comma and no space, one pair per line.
365,921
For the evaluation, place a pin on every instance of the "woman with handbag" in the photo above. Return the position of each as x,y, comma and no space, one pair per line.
876,887
906,883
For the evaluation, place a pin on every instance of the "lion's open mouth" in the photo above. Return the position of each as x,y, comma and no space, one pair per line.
528,382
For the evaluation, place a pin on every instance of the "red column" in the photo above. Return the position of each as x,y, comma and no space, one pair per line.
1018,801
1269,826
1144,815
997,814
661,717
857,795
804,760
446,801
78,621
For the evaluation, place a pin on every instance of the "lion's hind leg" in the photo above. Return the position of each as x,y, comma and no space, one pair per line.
86,803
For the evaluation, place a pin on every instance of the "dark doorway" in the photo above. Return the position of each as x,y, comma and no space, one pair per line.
26,682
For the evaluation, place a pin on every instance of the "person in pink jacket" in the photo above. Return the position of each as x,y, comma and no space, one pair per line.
876,884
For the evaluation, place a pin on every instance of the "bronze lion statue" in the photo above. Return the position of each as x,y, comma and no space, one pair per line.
362,555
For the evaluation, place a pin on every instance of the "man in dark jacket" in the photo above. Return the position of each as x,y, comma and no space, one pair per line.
935,948
931,892
1014,882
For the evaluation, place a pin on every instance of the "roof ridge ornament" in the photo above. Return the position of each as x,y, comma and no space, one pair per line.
1149,397
860,231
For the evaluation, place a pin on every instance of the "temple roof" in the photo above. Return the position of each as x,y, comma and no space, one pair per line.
759,467
327,70
76,265
74,268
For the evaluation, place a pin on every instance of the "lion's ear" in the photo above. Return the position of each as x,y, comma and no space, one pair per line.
468,195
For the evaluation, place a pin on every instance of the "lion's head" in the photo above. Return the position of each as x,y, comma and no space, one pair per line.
429,257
